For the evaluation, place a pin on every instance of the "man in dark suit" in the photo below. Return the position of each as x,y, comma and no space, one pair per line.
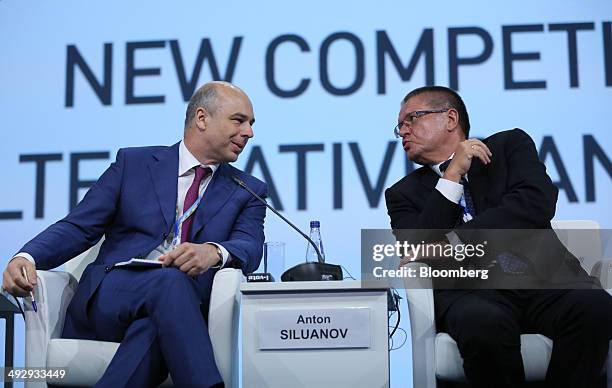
178,205
498,183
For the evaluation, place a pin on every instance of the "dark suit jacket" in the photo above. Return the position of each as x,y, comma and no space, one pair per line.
512,192
133,204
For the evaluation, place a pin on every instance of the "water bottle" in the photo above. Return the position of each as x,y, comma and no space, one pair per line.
315,236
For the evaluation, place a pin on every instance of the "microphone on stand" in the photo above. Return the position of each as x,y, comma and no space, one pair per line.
265,262
301,272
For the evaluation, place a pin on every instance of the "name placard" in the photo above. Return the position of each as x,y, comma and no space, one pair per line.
346,327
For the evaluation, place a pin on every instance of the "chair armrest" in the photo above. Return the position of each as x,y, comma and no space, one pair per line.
603,271
53,293
419,295
223,321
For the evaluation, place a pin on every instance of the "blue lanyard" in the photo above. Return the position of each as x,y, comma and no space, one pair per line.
466,215
178,225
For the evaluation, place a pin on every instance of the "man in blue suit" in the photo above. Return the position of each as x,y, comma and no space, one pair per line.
178,205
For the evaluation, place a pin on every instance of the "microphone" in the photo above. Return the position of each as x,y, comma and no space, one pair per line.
254,194
300,272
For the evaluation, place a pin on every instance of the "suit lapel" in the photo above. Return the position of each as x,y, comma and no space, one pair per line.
429,178
477,176
164,173
218,192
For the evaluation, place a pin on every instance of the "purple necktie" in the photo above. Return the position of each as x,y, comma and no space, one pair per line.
190,198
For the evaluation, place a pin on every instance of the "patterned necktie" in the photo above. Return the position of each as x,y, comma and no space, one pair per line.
508,262
190,198
467,196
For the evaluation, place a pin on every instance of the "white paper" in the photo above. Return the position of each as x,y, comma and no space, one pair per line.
144,263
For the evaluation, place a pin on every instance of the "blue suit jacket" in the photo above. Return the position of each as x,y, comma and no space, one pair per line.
133,204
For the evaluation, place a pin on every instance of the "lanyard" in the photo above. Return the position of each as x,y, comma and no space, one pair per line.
466,215
176,229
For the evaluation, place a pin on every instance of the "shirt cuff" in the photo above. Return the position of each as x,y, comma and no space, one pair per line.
26,255
453,191
225,255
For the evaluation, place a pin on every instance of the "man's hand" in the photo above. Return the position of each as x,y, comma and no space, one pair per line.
13,280
462,160
193,259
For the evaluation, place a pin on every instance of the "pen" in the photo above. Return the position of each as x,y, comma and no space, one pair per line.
25,274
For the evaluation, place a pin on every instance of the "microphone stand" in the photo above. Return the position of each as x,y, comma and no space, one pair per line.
305,271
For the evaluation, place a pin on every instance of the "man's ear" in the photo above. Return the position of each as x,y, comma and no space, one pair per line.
452,123
201,118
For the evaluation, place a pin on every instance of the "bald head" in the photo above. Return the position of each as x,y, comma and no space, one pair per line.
207,97
218,123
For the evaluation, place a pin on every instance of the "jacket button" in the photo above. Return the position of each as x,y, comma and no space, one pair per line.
108,268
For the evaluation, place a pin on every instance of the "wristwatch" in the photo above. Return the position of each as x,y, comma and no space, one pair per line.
220,262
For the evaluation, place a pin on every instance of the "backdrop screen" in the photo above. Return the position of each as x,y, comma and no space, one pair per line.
79,80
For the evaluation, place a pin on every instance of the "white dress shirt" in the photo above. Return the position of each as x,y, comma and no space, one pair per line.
453,191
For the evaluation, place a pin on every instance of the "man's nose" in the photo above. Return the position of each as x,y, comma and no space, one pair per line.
247,131
405,129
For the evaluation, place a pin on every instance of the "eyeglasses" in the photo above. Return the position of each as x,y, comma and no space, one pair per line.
412,116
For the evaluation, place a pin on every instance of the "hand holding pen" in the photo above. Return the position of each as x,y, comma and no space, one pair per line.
16,278
25,275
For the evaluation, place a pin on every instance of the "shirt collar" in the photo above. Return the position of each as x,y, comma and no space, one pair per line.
436,167
187,161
